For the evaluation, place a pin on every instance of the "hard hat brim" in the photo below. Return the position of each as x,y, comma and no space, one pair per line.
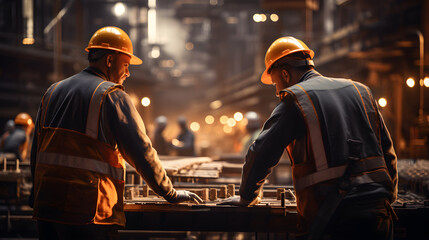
266,78
133,61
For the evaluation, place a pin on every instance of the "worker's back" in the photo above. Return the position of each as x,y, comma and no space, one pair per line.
342,123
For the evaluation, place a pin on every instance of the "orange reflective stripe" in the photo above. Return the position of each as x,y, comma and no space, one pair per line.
367,101
59,159
310,115
46,103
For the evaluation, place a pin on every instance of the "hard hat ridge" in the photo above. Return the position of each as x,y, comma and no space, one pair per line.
113,38
282,47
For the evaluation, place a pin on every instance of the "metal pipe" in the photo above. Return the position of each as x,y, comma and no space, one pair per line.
421,105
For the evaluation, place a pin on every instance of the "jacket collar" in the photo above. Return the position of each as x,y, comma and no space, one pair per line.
96,72
309,74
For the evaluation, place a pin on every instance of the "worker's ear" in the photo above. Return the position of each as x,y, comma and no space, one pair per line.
109,60
285,76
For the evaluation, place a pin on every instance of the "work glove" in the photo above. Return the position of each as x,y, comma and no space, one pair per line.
186,196
238,201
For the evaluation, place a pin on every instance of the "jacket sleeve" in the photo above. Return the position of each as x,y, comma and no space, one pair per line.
134,145
33,153
389,156
284,125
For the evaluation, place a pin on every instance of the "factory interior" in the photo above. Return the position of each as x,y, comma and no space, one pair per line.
202,64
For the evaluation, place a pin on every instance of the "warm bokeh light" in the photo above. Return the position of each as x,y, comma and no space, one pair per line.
209,119
231,122
426,81
227,129
238,116
411,82
194,126
28,41
189,46
223,119
177,143
274,17
156,52
119,9
215,104
263,17
382,102
145,101
257,17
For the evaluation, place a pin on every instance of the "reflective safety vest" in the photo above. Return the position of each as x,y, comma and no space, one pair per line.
315,175
78,179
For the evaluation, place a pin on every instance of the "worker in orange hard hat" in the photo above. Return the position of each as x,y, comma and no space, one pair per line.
17,141
343,162
87,127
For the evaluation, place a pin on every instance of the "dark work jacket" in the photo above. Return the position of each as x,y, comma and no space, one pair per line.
120,127
188,140
13,142
342,117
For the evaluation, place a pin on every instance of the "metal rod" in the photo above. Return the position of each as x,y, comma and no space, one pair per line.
421,105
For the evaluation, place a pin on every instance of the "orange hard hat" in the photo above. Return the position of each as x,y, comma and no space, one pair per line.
113,38
281,48
23,119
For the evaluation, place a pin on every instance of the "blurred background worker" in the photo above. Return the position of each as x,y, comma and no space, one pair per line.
86,126
343,162
253,128
184,144
161,145
8,128
18,139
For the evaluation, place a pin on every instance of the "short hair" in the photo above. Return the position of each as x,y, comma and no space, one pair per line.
95,54
282,63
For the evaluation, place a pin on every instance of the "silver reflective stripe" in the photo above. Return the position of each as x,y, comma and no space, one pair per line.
320,176
81,163
336,172
310,114
95,108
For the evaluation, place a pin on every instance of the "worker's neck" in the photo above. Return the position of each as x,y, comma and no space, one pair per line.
100,68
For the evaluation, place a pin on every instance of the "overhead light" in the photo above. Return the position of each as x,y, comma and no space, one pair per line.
411,82
189,46
119,9
155,53
382,102
216,104
274,17
145,101
231,122
238,116
426,81
209,119
223,119
194,126
257,17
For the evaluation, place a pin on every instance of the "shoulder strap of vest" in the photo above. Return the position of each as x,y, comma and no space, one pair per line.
45,102
307,108
94,110
368,104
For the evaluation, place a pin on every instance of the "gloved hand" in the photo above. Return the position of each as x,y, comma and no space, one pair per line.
238,201
186,196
